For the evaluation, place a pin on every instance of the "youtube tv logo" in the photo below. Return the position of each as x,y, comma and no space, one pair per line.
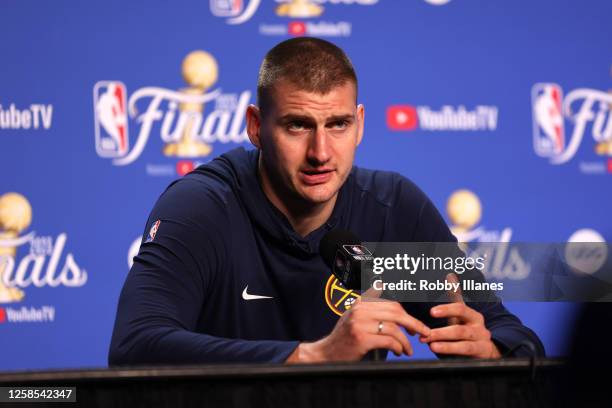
2,315
402,117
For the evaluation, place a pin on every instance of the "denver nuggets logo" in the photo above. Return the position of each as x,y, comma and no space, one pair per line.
338,298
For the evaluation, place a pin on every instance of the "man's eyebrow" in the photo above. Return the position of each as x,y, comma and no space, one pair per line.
305,118
338,118
295,117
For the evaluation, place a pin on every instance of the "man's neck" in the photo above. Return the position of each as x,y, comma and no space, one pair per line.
306,222
303,217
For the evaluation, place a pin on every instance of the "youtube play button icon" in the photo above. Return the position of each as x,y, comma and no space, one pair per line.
402,117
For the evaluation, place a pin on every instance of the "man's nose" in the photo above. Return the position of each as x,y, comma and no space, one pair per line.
319,149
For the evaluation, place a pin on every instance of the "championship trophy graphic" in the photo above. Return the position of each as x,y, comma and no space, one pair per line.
200,72
604,148
15,216
464,211
299,9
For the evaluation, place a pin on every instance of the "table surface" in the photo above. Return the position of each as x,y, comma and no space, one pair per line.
273,370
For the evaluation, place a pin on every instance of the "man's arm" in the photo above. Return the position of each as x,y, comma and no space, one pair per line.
156,320
166,288
503,329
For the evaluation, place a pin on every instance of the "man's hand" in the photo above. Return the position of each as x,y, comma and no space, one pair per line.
357,332
468,337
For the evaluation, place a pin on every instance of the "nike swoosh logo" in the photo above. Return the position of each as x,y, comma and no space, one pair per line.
247,296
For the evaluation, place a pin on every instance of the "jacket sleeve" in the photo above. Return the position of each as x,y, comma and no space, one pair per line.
507,331
165,290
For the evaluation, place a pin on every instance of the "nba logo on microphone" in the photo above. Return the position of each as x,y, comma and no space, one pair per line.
110,113
357,250
548,129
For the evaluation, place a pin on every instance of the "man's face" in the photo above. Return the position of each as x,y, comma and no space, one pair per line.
308,141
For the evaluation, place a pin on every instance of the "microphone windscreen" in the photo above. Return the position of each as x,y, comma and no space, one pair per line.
329,243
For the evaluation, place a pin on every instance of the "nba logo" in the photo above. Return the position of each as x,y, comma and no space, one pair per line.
226,8
110,113
357,250
548,130
153,231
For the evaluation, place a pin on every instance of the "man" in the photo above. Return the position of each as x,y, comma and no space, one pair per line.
231,271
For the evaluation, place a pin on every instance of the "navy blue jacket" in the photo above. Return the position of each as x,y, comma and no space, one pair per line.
219,241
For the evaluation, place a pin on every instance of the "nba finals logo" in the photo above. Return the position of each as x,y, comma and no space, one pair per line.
464,211
582,107
184,128
39,267
241,11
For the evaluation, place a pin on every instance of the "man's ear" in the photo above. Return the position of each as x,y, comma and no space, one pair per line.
360,119
253,119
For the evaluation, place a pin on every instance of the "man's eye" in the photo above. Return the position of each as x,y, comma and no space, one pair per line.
296,126
341,124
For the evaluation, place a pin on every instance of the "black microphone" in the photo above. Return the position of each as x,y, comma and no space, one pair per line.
342,251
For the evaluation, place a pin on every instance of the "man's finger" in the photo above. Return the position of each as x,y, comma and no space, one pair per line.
385,312
460,310
378,341
393,330
454,296
452,333
412,325
458,348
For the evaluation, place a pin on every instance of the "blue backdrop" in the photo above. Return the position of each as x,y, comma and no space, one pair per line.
508,100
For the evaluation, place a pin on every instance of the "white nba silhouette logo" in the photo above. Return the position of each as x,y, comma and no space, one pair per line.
110,112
